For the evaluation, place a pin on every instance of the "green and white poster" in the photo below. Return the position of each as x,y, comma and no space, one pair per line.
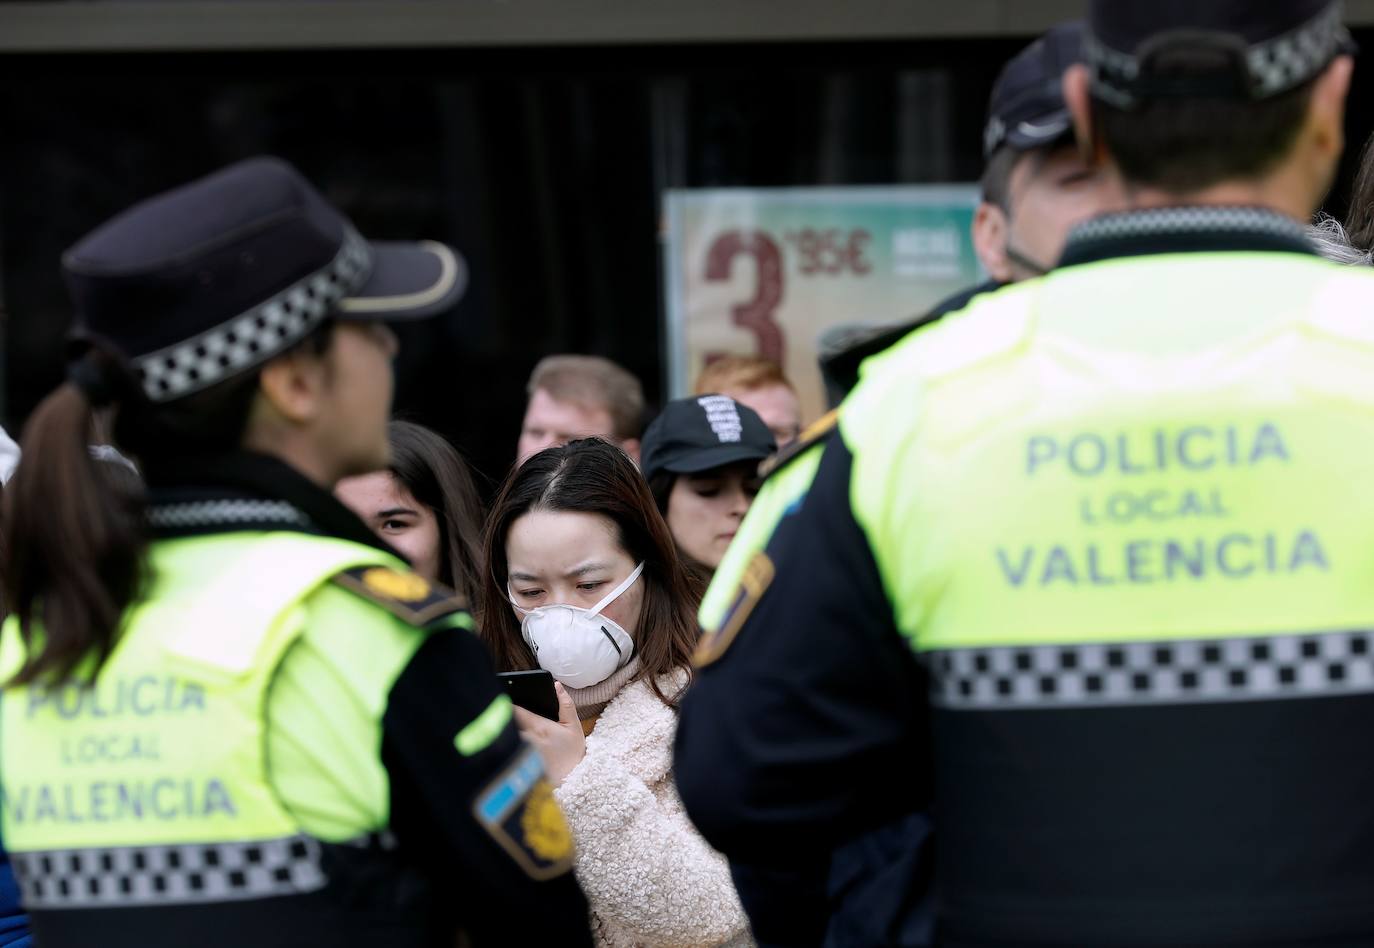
767,271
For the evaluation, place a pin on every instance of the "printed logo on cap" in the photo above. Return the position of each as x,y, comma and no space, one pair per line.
723,416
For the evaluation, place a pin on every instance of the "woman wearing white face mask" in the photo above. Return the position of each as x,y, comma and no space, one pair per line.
600,598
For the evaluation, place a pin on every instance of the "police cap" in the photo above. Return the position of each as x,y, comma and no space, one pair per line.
1261,49
1027,108
207,281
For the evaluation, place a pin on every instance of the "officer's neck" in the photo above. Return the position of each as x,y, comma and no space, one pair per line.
1276,192
295,449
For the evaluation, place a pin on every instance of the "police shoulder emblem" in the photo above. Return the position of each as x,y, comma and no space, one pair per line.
753,583
815,433
403,594
518,810
407,587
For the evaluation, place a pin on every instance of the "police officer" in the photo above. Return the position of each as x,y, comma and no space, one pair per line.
1036,187
1087,567
234,716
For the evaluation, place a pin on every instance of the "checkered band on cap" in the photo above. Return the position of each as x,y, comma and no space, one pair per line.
1292,59
1272,67
1113,73
255,336
127,876
1187,671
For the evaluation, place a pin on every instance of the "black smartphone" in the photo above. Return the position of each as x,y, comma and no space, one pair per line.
533,691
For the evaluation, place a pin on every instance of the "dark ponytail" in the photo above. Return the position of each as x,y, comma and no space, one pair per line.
73,540
72,543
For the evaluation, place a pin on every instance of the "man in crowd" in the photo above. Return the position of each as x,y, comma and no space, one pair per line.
578,396
760,384
1036,187
1138,715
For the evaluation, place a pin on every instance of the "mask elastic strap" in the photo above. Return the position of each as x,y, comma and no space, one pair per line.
614,593
1035,267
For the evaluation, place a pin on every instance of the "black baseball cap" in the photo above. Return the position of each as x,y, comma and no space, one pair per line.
1262,49
207,281
1027,108
698,434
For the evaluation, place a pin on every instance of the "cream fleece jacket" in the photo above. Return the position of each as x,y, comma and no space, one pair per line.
650,878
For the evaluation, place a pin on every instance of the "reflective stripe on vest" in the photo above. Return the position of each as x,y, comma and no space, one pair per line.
1176,671
126,876
1083,461
158,772
780,495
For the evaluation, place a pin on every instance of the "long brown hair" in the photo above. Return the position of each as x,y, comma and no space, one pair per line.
594,476
698,573
1359,223
436,475
73,543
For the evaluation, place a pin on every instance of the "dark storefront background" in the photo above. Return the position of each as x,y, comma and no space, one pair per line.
543,166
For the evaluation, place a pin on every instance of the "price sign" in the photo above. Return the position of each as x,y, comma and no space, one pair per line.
766,272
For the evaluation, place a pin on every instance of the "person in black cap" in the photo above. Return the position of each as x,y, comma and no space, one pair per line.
701,458
239,717
1036,187
1084,570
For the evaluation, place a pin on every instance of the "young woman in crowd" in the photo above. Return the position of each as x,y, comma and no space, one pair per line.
425,505
598,596
701,459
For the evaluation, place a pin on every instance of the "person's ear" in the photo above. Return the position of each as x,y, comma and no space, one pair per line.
294,385
1326,111
1078,97
631,447
991,231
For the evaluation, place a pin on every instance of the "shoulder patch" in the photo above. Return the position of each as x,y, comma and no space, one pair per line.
405,595
752,585
519,811
816,432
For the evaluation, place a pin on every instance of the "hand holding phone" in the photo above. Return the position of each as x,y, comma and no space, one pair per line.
561,741
533,691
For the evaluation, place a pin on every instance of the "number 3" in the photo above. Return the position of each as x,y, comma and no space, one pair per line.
757,314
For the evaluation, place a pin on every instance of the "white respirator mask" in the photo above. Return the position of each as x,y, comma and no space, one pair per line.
580,647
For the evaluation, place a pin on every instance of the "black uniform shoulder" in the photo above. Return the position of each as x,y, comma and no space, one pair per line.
841,369
406,595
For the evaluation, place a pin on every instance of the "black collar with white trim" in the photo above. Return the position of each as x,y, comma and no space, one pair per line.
245,491
1204,229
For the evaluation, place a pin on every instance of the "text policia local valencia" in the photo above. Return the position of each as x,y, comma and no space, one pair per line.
1139,471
